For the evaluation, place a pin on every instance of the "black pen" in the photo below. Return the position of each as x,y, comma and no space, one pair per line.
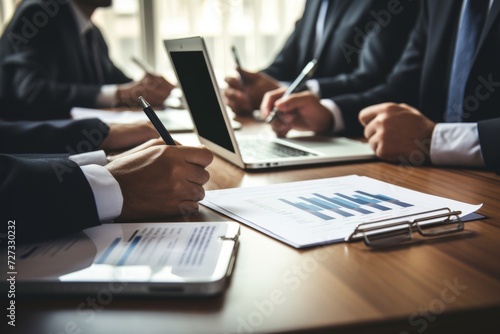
296,84
156,122
237,61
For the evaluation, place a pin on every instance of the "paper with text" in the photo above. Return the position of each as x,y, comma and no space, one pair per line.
150,251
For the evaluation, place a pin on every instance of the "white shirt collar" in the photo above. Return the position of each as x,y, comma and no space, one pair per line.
83,23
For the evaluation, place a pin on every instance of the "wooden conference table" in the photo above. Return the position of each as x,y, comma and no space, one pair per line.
450,284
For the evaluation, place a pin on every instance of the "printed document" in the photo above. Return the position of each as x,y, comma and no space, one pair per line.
308,213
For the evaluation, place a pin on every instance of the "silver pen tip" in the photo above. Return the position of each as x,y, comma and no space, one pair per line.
272,115
144,103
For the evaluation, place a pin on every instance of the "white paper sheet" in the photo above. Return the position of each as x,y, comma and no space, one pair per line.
175,120
309,213
152,251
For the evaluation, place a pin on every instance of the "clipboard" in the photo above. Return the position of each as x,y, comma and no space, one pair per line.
146,259
317,212
395,230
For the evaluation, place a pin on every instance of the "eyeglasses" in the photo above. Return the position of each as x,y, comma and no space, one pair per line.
388,232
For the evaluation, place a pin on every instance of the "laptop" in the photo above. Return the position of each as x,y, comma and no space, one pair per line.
202,97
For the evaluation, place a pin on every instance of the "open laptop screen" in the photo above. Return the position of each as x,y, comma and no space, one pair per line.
198,89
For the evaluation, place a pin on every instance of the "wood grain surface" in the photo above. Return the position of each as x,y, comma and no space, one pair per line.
449,284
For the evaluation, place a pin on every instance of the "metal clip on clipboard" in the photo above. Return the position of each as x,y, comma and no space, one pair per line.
391,231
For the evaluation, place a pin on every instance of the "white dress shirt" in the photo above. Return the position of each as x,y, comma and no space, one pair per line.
107,193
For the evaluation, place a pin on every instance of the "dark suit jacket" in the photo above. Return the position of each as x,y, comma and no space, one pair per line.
351,59
45,197
60,136
421,77
44,70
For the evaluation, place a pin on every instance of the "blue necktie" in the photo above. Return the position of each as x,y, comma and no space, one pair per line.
469,32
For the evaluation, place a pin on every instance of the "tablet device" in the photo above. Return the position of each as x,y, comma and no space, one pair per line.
154,259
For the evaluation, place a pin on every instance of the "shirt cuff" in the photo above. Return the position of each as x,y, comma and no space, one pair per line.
107,193
338,120
94,158
107,96
313,86
284,83
456,144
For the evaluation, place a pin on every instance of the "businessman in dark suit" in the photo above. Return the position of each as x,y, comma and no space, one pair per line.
449,81
53,58
71,189
356,43
49,197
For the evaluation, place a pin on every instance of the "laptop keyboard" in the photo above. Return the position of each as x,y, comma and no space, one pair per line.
263,149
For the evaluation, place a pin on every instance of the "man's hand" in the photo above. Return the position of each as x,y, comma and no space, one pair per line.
155,89
161,181
143,146
243,100
124,136
300,111
395,131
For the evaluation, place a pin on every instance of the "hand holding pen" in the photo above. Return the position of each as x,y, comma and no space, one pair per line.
238,64
296,85
152,86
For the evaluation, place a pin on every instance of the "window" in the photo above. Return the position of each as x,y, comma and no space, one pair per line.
121,27
258,28
7,8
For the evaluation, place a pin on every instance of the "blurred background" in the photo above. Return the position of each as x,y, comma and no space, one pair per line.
258,28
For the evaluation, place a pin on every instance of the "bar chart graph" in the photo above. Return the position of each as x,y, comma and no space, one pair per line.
312,212
340,205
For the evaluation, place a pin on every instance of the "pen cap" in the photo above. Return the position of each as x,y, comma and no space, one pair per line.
309,68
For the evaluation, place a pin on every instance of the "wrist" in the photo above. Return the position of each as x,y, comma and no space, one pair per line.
125,97
120,97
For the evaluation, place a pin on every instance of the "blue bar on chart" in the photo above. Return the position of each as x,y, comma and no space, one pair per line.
327,206
365,201
108,251
129,250
346,204
388,199
312,209
340,202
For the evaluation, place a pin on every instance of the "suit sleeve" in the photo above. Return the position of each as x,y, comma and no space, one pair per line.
46,197
59,136
36,78
379,52
402,84
489,137
30,68
113,75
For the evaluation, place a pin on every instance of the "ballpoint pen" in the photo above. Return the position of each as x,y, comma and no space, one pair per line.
143,65
156,122
296,85
237,61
